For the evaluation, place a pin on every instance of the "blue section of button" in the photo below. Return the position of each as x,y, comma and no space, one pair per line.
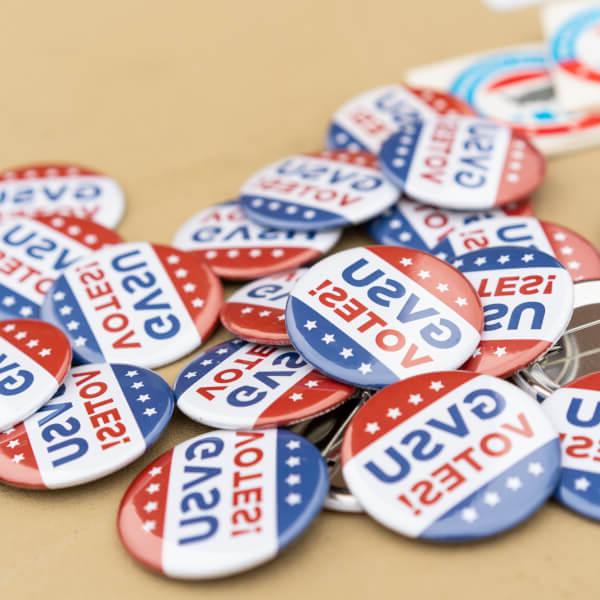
149,397
503,502
302,485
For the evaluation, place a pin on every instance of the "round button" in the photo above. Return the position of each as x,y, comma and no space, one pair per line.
575,412
464,163
575,253
222,502
238,385
34,251
235,248
318,191
370,316
61,189
367,120
34,360
102,418
256,312
415,225
527,299
135,303
451,456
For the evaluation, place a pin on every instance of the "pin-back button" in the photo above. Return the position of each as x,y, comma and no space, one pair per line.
318,191
241,385
451,456
370,316
256,312
415,225
527,299
465,163
576,354
136,303
367,120
235,248
35,357
34,251
101,419
262,490
575,412
64,189
576,254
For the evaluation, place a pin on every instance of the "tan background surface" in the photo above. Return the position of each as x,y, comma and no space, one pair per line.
180,101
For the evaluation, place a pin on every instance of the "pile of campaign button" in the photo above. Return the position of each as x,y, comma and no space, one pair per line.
527,299
415,225
451,456
367,120
136,303
61,189
575,412
34,360
465,163
318,191
240,385
256,312
575,253
236,248
222,502
373,315
101,419
34,251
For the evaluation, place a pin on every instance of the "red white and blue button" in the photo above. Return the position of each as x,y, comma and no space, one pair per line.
222,502
415,225
465,163
575,412
236,248
318,191
256,312
373,315
135,303
34,360
34,251
527,298
451,456
575,253
101,419
241,385
64,189
367,120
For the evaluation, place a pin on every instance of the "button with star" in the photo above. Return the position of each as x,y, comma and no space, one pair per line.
574,409
256,312
372,315
136,303
317,191
415,225
102,418
240,385
451,456
34,360
34,251
236,248
527,299
365,121
259,491
59,189
462,163
575,253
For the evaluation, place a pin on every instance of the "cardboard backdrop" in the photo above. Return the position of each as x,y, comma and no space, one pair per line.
181,101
